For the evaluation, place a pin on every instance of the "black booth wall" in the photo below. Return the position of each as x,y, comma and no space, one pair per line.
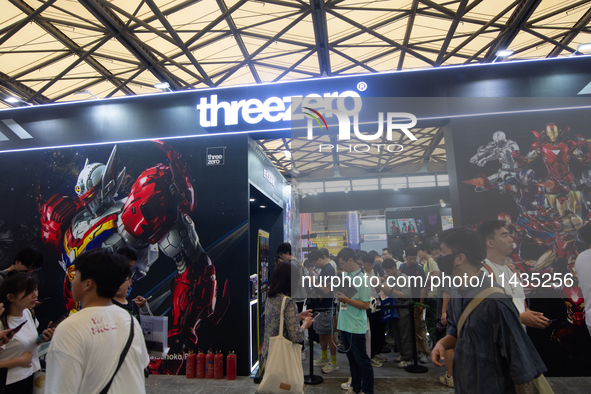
220,217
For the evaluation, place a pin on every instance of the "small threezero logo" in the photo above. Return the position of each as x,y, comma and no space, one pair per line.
315,118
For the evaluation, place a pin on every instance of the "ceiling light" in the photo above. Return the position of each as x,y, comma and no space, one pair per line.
442,203
162,85
504,53
287,154
12,100
84,92
346,190
263,206
583,47
395,188
252,200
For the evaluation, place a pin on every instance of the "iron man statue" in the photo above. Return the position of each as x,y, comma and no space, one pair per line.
556,151
154,218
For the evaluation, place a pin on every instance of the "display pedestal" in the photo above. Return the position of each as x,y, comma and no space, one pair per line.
311,378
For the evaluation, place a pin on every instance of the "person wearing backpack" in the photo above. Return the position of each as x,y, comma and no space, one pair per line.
493,354
101,348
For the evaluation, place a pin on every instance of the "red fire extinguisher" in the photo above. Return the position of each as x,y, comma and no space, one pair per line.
218,365
200,365
209,365
231,366
191,359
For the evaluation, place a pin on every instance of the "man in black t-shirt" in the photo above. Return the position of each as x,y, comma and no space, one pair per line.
324,305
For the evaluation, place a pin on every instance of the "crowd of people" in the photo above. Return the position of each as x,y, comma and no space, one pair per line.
477,330
99,348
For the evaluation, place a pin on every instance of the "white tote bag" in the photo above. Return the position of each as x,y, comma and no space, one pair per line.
283,368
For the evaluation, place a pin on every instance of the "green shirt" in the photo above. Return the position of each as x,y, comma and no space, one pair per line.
354,320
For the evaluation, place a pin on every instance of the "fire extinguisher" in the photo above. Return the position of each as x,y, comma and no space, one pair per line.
209,365
191,359
231,366
218,365
200,365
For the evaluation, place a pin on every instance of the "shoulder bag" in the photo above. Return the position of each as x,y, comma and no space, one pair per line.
122,357
540,384
283,368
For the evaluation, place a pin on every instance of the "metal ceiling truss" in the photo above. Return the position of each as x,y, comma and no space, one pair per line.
156,46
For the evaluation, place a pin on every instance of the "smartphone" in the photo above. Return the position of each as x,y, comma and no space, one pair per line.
315,314
58,321
18,328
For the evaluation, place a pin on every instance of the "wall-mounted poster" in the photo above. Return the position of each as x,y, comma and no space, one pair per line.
447,222
407,226
420,227
147,195
263,274
532,170
393,228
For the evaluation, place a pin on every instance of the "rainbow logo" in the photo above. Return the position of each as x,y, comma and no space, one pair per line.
315,118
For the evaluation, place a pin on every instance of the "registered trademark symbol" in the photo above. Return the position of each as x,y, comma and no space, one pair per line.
361,86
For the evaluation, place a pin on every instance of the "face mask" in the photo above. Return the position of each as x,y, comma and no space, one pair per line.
446,263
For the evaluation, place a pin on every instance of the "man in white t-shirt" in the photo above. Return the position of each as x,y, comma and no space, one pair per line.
583,268
86,347
499,247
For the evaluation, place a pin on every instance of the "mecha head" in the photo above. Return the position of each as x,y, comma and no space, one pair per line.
499,138
552,132
96,187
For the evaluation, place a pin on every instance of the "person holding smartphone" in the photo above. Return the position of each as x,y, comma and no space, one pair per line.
19,356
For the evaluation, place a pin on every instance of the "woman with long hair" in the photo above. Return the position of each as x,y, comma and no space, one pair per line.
18,292
284,277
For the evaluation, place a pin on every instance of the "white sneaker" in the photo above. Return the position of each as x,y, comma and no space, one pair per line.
398,359
347,385
376,364
403,364
320,362
351,391
330,368
423,359
446,381
380,359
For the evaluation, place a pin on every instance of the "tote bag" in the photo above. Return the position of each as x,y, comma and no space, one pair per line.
283,368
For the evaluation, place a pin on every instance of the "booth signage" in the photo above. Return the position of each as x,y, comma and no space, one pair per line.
215,156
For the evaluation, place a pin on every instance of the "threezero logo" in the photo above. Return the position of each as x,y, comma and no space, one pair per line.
273,109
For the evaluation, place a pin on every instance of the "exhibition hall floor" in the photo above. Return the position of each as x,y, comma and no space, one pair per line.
388,379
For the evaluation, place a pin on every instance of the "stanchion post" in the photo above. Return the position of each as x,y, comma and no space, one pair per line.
311,378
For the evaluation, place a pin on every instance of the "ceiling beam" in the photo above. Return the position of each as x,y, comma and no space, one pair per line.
77,89
409,25
514,25
26,20
479,31
557,12
179,6
214,23
71,66
293,66
71,45
581,23
20,89
179,41
101,11
353,60
549,40
222,6
381,37
237,67
451,32
321,36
